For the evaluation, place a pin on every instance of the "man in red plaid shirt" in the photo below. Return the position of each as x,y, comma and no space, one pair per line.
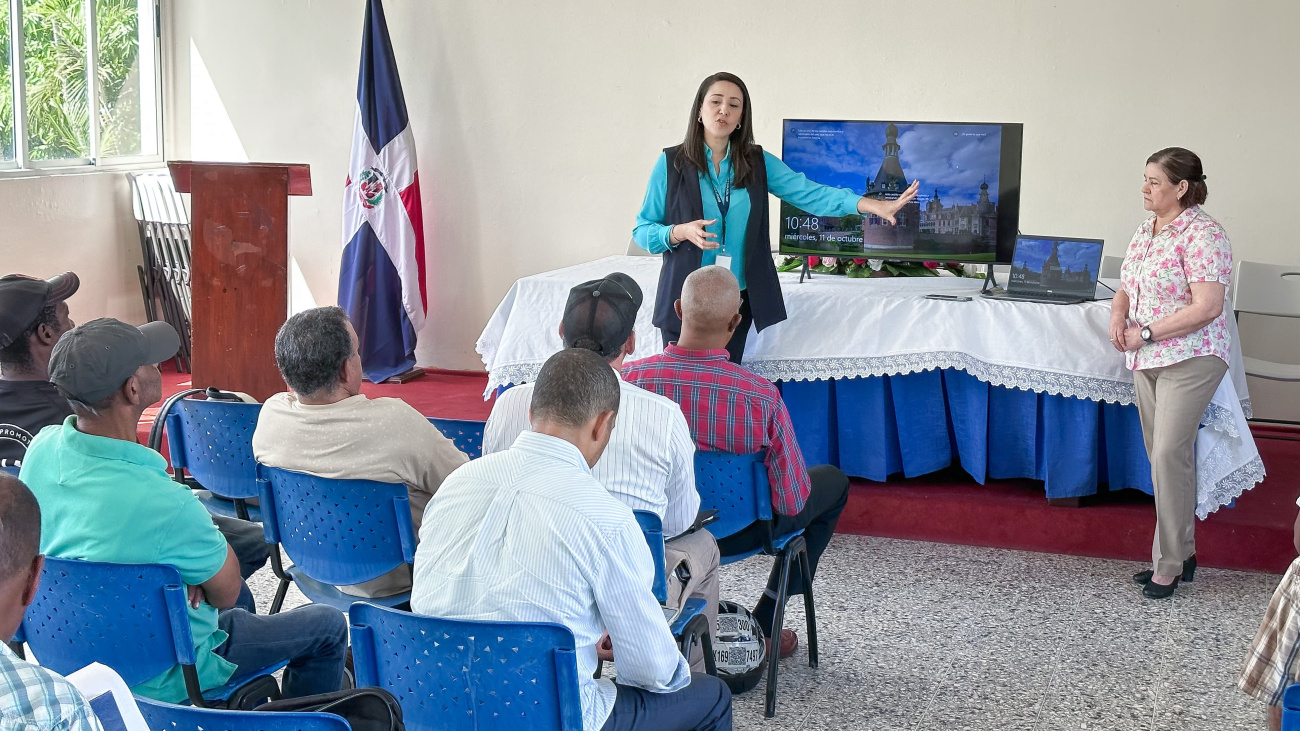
732,410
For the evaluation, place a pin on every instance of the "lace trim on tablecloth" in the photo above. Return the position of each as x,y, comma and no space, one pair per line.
1219,418
1028,379
1210,498
511,374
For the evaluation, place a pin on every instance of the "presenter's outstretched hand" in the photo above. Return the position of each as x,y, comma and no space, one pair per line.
888,209
694,232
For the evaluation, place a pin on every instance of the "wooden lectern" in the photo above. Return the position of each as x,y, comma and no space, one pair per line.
239,215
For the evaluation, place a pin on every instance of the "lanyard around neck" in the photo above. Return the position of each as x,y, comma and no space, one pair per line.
723,199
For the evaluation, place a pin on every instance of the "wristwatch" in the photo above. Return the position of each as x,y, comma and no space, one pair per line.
1146,335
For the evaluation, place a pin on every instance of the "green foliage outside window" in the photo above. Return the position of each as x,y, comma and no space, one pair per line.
6,96
57,98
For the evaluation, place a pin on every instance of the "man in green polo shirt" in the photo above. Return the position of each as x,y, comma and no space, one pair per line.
104,497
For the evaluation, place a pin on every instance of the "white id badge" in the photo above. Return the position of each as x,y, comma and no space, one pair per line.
723,261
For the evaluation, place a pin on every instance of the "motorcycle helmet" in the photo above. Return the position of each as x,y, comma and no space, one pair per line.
739,649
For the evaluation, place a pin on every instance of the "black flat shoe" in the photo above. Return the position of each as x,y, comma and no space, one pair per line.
1159,591
1189,572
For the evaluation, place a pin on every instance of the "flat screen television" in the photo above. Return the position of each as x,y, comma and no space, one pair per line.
967,209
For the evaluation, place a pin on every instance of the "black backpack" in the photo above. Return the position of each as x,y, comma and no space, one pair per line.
366,709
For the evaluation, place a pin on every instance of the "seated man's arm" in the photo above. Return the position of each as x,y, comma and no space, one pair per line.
785,466
222,590
509,418
198,550
647,655
425,461
683,497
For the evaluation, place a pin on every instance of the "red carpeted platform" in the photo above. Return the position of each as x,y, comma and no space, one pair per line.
949,507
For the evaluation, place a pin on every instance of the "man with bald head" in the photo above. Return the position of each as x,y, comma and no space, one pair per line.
732,410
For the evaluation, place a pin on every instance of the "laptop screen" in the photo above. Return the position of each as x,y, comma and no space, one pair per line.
1055,265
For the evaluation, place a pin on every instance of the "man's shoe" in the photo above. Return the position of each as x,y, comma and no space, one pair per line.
789,643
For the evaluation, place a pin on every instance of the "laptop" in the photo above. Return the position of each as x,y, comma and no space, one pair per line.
1053,269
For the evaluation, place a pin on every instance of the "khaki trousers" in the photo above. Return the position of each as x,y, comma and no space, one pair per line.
699,552
1171,401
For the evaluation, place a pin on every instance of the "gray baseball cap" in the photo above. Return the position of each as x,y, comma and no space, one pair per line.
93,360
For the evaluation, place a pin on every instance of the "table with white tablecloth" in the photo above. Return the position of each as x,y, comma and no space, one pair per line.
881,380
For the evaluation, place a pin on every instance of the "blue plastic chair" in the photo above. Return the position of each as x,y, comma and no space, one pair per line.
337,532
737,487
213,441
168,717
130,617
691,625
466,435
11,470
1291,708
451,674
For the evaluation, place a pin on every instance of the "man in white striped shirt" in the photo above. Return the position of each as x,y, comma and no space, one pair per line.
650,461
528,535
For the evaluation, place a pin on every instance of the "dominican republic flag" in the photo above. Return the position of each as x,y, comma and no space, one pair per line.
381,282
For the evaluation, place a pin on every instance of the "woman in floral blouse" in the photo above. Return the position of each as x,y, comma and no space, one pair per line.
1168,319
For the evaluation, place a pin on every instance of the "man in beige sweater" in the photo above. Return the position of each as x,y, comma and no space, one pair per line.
324,426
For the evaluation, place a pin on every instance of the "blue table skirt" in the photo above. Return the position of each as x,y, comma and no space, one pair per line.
918,423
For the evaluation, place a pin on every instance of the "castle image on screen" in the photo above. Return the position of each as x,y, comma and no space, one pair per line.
954,216
1056,265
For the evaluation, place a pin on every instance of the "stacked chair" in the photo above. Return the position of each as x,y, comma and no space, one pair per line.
1268,290
164,227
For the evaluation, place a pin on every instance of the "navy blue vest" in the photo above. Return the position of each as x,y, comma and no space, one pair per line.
685,204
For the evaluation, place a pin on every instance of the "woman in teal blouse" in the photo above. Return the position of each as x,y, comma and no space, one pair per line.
699,208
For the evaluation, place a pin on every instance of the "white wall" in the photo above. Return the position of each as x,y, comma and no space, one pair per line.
81,223
537,123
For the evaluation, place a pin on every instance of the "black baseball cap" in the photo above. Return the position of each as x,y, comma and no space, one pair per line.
22,298
93,360
601,314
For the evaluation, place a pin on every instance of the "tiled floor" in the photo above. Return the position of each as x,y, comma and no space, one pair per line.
923,636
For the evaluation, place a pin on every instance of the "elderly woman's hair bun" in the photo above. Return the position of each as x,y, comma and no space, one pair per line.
1182,164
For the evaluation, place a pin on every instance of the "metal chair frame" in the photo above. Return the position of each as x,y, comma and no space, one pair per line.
739,510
